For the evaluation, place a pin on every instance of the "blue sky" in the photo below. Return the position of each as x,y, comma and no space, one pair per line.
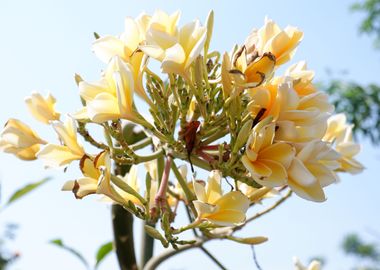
43,43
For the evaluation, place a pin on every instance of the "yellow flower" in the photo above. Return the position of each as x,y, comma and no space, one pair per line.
110,98
126,47
339,133
42,108
256,195
251,70
222,210
162,30
94,171
266,160
55,155
181,54
298,118
313,169
302,78
19,139
272,39
314,265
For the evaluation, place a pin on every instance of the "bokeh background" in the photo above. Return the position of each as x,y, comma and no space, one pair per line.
43,43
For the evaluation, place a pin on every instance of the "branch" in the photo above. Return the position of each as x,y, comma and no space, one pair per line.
154,262
266,211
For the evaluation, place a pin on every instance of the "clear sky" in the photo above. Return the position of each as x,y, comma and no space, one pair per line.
43,43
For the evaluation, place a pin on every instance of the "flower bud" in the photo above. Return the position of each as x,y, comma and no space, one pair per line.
42,108
250,240
17,138
243,136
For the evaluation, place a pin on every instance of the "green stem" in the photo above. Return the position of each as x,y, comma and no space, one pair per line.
153,156
127,188
190,226
189,194
141,144
215,136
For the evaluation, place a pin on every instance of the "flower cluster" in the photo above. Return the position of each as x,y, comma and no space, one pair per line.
229,114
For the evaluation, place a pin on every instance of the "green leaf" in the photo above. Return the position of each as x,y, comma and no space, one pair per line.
103,251
25,190
59,243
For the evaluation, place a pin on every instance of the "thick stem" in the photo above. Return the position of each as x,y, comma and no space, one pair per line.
122,222
147,246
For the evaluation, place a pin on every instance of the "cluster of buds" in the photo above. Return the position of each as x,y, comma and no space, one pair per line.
228,114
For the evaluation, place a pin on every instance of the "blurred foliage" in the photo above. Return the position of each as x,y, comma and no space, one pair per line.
367,253
101,254
7,257
18,194
361,104
371,23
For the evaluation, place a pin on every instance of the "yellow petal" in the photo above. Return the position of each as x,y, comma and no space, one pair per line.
57,155
234,200
213,187
42,108
226,217
276,178
103,108
174,61
19,135
324,176
280,152
68,135
88,168
108,46
200,191
88,91
260,69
